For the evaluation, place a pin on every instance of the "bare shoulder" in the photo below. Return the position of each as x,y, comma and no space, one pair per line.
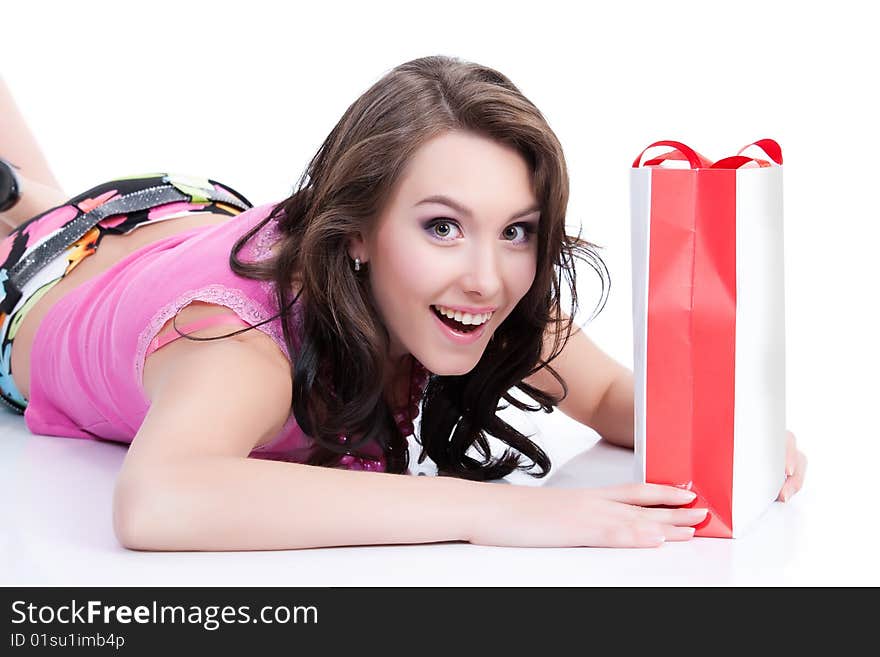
159,363
215,398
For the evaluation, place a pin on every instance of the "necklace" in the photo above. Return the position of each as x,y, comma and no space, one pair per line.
409,409
403,416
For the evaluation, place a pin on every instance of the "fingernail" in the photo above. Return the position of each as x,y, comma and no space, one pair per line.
789,470
688,494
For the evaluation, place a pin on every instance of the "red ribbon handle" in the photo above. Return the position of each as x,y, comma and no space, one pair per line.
769,146
680,152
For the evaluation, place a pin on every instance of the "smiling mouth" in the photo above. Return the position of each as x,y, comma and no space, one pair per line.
455,325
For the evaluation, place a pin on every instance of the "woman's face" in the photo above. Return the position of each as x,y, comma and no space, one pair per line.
476,250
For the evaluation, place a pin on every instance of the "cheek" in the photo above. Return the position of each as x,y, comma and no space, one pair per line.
406,261
522,276
401,274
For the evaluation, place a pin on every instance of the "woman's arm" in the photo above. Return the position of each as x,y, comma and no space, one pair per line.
600,390
238,503
187,484
615,416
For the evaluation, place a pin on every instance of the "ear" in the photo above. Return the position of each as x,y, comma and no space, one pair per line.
357,248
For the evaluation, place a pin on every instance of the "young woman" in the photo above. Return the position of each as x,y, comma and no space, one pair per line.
419,259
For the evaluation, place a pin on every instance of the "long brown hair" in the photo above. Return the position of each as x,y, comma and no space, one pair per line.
344,344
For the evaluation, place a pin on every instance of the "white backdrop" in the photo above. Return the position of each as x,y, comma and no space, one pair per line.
245,93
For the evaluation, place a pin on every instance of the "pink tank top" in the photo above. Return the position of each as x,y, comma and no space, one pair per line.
115,318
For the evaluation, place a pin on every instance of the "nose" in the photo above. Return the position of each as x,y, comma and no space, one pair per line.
483,276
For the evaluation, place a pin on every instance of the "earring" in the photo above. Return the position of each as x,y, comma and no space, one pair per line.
357,264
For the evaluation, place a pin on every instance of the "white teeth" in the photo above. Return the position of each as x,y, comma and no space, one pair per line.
465,318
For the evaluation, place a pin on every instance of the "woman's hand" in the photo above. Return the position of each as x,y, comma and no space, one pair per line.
616,516
795,468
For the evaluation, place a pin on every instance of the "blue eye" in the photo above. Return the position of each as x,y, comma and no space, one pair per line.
528,229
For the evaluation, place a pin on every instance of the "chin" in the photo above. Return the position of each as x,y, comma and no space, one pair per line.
445,368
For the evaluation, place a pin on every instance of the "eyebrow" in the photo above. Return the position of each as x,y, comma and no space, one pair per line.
458,207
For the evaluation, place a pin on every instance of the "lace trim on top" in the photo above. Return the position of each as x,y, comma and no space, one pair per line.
259,248
266,237
245,307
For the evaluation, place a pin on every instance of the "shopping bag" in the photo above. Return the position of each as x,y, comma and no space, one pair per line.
709,329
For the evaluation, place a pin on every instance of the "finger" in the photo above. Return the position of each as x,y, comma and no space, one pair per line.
676,517
791,453
679,533
670,532
796,482
633,534
655,534
791,486
649,494
784,492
